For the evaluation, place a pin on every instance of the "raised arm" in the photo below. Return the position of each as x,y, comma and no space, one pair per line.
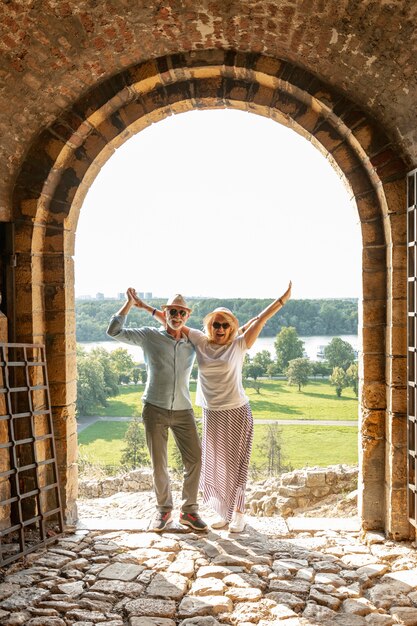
246,325
140,304
252,328
116,327
130,301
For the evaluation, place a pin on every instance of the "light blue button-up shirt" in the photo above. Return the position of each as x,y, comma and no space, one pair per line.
168,363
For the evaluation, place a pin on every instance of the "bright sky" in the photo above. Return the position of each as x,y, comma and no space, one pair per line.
222,204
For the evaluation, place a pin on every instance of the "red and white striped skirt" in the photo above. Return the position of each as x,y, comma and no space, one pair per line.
227,446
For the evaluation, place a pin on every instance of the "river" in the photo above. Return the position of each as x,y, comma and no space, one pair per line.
311,346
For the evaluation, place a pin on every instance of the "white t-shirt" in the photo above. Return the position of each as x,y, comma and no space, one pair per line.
219,384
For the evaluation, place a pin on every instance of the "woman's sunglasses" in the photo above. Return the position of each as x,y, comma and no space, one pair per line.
175,312
223,325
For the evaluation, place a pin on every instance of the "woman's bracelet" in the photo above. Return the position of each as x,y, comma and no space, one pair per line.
280,301
153,312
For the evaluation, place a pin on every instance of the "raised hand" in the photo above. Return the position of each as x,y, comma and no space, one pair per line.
133,298
287,295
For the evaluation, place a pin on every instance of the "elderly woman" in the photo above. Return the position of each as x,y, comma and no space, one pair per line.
227,416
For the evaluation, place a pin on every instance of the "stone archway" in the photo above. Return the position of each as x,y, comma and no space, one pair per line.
65,159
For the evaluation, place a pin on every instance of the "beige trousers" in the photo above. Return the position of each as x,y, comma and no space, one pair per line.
157,421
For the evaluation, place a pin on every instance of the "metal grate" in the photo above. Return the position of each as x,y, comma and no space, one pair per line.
30,502
412,344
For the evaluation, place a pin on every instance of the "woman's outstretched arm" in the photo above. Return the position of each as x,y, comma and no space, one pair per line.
252,328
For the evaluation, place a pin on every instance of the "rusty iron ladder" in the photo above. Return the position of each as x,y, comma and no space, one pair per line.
30,501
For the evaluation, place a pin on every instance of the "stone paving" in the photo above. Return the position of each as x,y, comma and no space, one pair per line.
113,572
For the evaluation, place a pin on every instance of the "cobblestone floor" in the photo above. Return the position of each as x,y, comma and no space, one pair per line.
111,571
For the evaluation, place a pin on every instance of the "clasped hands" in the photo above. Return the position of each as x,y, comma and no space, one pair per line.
133,297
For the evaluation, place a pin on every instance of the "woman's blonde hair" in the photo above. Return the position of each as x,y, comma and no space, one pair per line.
228,315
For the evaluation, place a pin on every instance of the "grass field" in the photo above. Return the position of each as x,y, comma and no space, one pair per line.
317,401
304,446
102,443
277,400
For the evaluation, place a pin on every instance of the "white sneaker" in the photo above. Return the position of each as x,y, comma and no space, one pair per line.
219,522
238,523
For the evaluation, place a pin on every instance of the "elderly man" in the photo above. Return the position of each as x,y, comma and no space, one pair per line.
169,357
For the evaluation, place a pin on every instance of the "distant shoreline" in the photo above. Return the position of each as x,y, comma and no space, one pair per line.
312,345
311,318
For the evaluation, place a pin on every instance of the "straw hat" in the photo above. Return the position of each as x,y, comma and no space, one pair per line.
223,311
176,301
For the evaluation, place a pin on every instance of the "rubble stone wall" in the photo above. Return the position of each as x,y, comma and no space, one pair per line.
299,489
280,495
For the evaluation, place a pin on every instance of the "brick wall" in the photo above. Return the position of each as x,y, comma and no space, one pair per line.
53,52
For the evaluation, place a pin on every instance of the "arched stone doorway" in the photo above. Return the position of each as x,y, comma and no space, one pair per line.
65,159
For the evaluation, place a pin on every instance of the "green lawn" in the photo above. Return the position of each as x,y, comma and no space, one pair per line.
102,443
127,404
311,445
277,400
317,401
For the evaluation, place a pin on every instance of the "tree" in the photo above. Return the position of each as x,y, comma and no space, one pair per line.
338,380
253,370
263,360
252,384
110,375
352,377
247,362
271,446
135,453
298,372
332,317
97,379
273,370
288,347
339,353
319,368
123,364
91,384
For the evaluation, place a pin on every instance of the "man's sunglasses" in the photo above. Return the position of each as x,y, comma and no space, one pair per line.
175,312
223,325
